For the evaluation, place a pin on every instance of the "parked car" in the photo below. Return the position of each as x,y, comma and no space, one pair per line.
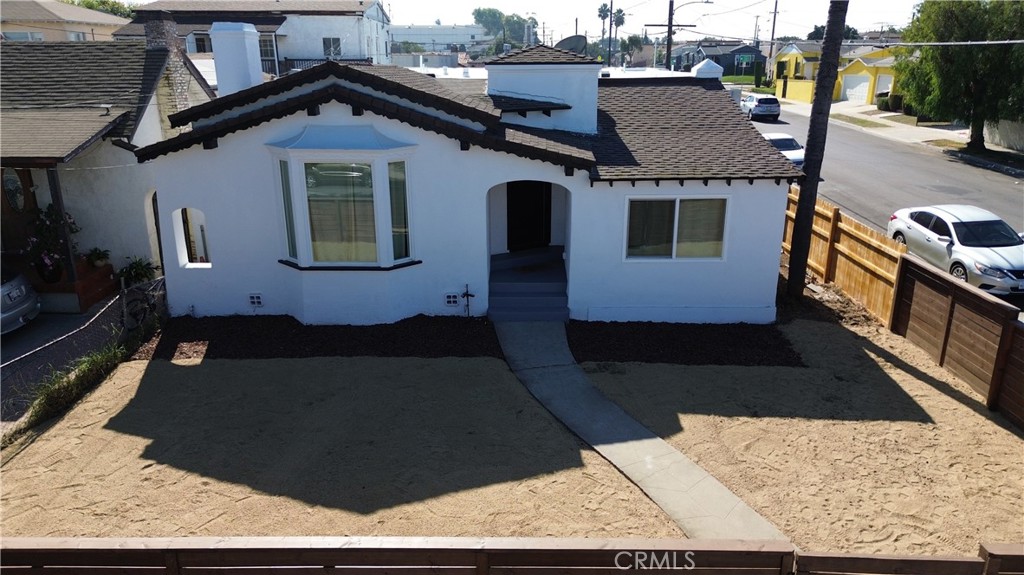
761,106
789,147
19,303
971,243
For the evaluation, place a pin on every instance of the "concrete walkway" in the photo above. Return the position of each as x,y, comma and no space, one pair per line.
539,355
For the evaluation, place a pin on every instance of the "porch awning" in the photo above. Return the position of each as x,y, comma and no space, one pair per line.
340,138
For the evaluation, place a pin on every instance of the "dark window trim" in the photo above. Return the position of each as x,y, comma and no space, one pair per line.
343,268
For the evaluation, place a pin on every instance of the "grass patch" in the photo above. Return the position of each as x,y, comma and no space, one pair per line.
857,121
875,112
61,390
1012,159
738,79
903,119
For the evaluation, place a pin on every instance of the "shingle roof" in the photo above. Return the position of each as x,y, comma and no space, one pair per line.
687,128
52,135
541,54
648,128
186,24
393,80
278,6
54,11
80,74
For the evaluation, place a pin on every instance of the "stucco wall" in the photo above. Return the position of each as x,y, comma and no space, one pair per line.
799,90
1006,134
302,37
454,230
575,85
739,287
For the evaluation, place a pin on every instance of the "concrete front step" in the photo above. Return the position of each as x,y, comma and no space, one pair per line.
529,314
538,299
517,288
527,258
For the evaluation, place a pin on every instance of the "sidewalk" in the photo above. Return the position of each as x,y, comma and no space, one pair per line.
539,355
900,132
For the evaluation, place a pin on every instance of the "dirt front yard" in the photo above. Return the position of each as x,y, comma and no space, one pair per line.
870,448
323,446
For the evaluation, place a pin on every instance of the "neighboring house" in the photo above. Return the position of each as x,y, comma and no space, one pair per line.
71,113
864,72
53,21
735,58
684,55
294,34
471,38
369,194
797,60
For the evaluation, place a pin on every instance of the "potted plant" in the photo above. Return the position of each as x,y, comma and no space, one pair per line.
138,270
98,257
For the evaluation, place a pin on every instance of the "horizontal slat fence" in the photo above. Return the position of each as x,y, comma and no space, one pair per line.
859,260
469,556
972,334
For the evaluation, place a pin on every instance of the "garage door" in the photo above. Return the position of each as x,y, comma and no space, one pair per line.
855,88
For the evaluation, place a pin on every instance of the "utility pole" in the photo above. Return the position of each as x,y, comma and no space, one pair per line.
577,27
668,40
611,22
757,43
771,45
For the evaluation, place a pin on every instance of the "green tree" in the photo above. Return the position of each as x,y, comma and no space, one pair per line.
619,18
114,7
974,83
603,13
819,33
407,47
491,19
631,45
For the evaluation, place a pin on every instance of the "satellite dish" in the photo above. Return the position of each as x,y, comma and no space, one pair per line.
576,44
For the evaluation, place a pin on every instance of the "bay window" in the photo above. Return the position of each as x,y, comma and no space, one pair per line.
344,199
675,228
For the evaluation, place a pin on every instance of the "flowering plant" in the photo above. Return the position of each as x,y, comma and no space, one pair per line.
47,244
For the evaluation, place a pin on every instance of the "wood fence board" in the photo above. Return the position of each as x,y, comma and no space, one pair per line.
888,565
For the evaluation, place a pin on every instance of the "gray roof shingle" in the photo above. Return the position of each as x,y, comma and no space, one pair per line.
541,54
54,11
53,134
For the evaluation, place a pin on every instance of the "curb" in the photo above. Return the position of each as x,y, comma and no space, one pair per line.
980,163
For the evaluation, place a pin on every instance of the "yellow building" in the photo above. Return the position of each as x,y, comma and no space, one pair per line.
53,21
867,72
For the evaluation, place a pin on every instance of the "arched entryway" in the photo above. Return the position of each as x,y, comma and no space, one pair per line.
528,224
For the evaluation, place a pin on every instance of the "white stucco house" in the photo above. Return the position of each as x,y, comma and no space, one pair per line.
292,33
368,194
70,115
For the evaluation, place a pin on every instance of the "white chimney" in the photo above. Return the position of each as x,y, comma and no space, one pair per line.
236,56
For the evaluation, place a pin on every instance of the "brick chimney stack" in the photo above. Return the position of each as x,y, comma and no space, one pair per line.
173,89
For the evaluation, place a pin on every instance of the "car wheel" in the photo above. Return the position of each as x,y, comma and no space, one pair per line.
959,272
898,237
750,115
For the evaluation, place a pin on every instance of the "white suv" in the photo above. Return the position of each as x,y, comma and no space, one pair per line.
760,105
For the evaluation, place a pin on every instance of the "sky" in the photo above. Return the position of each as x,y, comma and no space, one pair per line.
720,18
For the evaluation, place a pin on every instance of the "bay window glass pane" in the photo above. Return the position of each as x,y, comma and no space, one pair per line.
701,228
650,228
341,219
399,210
289,219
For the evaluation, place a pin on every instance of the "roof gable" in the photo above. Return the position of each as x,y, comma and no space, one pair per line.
541,54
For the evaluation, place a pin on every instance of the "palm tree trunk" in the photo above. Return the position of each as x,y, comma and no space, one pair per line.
828,71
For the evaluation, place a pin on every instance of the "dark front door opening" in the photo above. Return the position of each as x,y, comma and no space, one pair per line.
529,215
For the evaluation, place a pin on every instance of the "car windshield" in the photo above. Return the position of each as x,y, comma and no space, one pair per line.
768,101
785,144
987,234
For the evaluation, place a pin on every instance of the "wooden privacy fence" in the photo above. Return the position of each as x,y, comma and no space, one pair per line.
468,556
856,258
972,334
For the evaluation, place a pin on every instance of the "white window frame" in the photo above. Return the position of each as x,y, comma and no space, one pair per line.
675,229
378,160
28,36
77,37
332,54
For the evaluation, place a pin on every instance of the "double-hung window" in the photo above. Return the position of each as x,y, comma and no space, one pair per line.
332,48
675,228
344,197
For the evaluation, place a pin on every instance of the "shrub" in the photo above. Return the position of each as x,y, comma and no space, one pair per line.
909,109
62,390
138,270
883,104
896,102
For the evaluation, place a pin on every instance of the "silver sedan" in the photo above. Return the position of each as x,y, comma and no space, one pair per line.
971,243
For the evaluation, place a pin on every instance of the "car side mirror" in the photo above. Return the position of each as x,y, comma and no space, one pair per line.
1021,235
945,239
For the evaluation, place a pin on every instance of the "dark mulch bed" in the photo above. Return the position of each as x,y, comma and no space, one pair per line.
685,344
248,337
252,337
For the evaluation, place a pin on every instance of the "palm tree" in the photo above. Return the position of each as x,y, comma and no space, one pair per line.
603,13
825,82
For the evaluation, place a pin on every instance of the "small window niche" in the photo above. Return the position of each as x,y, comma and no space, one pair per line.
190,238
